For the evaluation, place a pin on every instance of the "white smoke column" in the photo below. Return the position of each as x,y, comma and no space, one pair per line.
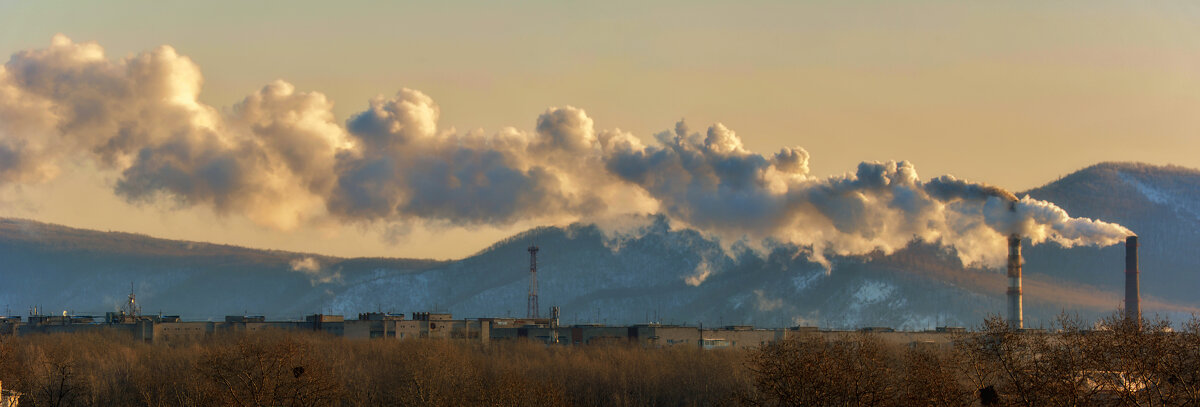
712,183
1041,221
281,159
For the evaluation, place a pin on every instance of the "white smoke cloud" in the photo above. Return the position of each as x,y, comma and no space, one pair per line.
412,170
281,159
307,265
765,303
311,267
270,160
699,274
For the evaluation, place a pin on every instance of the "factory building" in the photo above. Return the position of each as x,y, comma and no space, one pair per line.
425,325
433,325
443,326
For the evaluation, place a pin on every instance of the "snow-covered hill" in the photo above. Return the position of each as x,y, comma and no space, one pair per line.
674,276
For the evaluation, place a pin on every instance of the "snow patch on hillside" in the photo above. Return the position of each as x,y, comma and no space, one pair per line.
1161,197
872,292
1153,194
804,281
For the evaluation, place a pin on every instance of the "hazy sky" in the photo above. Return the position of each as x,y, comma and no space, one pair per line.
1009,93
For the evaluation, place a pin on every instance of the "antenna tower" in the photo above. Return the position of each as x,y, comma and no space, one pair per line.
131,307
533,291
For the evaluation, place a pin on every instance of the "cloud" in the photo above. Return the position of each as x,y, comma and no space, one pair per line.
282,159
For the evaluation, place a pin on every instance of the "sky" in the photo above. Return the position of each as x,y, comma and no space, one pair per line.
1012,94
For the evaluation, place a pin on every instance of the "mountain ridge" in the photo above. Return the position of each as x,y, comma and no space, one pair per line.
583,271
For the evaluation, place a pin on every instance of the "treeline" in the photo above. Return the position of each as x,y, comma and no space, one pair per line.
1110,362
298,369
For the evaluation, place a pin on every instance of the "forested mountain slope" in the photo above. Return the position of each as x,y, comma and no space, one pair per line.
595,277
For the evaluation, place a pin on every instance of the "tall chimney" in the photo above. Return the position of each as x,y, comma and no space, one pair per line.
533,289
1133,300
1015,313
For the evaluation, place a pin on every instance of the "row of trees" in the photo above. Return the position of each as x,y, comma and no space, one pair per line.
298,369
1114,361
1111,362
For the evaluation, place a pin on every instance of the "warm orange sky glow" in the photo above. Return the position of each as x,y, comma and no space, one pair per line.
1012,94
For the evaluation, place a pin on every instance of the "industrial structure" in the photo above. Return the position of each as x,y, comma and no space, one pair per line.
1016,316
132,309
533,289
379,325
1132,284
1133,298
442,326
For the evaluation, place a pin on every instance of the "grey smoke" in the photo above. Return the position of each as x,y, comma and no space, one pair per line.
281,158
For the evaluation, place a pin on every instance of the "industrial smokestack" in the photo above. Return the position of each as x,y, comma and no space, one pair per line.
1015,313
533,288
1133,298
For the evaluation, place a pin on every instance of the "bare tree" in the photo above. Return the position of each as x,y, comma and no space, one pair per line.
854,370
268,370
929,378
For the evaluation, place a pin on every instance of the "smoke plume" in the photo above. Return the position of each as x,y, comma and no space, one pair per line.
311,267
280,158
